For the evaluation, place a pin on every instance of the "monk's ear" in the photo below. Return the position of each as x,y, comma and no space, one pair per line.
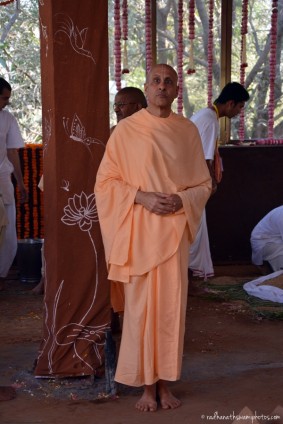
138,106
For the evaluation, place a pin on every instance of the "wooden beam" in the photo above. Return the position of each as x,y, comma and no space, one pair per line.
226,51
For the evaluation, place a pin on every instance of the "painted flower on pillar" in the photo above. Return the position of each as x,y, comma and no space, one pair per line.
81,210
81,337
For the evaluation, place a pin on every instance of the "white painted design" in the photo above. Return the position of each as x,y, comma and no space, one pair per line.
45,35
77,132
65,185
81,211
77,37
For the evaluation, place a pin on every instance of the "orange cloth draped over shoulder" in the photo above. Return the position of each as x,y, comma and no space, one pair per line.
151,154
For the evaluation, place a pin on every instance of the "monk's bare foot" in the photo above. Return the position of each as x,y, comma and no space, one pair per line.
147,402
167,400
7,393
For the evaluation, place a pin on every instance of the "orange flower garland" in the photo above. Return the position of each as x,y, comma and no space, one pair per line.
30,214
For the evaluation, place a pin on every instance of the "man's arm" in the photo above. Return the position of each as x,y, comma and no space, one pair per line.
210,165
13,157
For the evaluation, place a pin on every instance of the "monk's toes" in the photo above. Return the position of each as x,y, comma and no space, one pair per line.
172,404
146,407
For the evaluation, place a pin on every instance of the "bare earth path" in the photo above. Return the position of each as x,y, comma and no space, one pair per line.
233,364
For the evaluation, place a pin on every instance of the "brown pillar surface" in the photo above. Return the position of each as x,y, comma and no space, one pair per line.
74,60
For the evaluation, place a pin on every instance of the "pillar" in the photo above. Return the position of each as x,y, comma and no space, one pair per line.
74,62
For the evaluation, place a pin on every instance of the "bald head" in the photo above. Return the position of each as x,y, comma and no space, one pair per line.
161,89
161,67
133,94
128,100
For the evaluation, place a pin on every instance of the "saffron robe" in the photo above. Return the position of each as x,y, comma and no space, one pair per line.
151,154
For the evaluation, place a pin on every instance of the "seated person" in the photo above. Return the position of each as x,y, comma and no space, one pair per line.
267,240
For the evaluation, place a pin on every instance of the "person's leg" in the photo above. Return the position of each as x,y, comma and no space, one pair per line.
273,254
167,399
148,403
8,248
276,263
153,330
200,262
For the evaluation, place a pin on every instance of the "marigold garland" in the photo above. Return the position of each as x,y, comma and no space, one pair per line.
29,216
272,66
117,44
191,29
148,47
180,56
210,53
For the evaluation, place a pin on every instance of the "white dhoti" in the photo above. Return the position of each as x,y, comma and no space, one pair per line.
8,247
200,258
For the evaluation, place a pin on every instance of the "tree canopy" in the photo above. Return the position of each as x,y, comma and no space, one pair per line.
20,64
20,58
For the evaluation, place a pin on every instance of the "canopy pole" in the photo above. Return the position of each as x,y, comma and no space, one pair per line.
226,51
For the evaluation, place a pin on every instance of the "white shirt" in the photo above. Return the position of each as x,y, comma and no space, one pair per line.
268,230
208,126
10,138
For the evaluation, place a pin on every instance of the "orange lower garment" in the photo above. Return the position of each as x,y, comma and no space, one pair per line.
154,323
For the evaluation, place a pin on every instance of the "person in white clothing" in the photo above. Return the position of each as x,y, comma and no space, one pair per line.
10,141
229,104
267,240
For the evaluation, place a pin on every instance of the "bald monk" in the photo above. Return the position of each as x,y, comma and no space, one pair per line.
151,188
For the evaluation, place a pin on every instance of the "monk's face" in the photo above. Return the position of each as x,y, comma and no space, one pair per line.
161,87
125,106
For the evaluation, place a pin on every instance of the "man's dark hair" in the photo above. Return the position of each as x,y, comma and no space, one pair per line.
4,84
233,91
136,95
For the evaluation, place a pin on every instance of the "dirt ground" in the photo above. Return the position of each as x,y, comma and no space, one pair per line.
232,368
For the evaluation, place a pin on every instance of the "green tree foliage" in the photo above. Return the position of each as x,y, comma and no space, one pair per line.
20,58
20,64
195,85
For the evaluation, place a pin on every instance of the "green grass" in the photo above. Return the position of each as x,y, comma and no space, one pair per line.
234,292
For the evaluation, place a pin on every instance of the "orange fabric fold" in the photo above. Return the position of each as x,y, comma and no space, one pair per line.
162,159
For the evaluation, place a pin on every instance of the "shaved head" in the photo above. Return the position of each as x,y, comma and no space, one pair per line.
158,68
161,89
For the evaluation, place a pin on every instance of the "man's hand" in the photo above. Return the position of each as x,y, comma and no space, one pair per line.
23,194
159,203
